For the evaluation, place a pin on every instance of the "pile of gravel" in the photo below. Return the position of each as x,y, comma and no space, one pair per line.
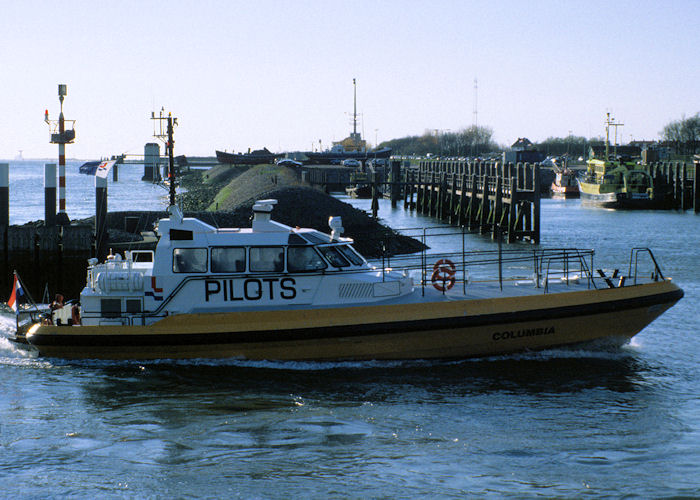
225,198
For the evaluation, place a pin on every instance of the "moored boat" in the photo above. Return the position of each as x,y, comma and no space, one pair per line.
619,182
352,147
565,183
277,292
251,158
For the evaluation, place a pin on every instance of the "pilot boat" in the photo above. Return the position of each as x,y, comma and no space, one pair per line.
287,293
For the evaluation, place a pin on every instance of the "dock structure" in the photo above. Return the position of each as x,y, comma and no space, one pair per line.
484,197
678,181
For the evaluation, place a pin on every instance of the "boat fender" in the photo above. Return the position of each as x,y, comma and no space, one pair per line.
443,276
75,314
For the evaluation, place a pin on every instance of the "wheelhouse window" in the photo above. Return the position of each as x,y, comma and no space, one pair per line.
111,308
333,255
349,253
267,259
190,260
301,259
228,260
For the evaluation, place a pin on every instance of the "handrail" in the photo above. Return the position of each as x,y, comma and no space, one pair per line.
634,254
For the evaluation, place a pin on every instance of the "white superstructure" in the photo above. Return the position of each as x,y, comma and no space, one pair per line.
197,268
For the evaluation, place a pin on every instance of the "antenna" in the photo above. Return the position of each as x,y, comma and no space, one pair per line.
354,110
610,122
476,94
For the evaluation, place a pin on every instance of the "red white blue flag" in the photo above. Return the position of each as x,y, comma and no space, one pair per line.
17,292
104,168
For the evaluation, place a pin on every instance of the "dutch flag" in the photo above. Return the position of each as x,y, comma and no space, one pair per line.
17,292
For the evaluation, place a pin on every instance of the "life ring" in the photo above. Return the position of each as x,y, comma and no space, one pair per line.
443,276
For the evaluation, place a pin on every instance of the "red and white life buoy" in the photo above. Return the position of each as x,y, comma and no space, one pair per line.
443,276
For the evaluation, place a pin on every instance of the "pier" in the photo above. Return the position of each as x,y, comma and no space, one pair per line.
484,197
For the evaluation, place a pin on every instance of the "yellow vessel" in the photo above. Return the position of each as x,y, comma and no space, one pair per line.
618,182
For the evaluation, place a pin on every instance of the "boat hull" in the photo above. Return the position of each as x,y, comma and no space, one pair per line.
245,158
565,191
447,329
591,194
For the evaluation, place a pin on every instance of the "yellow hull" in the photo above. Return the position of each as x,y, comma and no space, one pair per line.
448,329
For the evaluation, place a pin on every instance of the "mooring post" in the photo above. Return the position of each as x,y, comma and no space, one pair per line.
4,194
395,182
484,210
461,208
375,194
676,186
696,188
100,216
497,209
536,202
50,194
115,172
684,183
513,209
453,199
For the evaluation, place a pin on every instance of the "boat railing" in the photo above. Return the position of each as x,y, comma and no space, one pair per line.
540,266
633,272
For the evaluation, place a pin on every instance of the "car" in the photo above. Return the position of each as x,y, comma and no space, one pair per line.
351,162
286,162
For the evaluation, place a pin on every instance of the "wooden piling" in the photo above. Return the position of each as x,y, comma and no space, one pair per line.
100,217
375,194
50,194
696,187
395,187
4,194
536,204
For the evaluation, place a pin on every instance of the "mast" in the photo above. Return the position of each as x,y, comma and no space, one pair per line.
167,138
354,112
171,161
610,122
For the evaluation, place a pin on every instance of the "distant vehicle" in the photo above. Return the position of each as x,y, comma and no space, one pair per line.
379,162
351,162
286,162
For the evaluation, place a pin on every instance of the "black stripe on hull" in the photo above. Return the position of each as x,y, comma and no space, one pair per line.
357,330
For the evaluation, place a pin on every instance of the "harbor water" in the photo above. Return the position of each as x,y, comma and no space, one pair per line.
560,423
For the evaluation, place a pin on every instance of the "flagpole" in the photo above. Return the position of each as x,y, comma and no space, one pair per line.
25,290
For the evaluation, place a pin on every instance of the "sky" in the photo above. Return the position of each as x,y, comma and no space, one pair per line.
278,74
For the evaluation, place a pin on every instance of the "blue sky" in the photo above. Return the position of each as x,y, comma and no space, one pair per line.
279,74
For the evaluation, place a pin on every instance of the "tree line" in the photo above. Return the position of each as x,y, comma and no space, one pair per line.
682,135
472,141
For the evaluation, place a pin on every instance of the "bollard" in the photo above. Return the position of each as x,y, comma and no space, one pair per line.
4,194
50,194
115,172
100,216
